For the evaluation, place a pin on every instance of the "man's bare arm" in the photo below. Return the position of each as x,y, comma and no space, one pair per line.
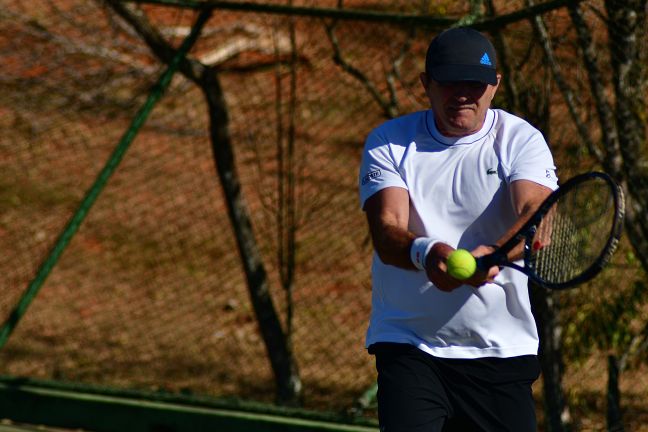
388,214
526,197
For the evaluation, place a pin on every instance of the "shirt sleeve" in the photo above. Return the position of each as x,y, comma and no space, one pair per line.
378,169
532,160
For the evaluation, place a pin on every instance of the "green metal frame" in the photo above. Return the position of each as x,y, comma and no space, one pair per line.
99,409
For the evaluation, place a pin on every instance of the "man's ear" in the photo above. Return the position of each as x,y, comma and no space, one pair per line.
499,80
496,86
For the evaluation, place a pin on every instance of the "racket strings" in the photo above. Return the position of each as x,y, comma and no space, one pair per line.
556,259
573,234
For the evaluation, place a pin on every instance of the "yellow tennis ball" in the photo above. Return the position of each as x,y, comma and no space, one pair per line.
461,264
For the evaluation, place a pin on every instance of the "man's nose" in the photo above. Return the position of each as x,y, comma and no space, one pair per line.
462,94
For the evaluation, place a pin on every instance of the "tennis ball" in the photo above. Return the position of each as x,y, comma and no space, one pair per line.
461,264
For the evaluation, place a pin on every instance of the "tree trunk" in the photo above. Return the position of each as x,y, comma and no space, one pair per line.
627,20
614,422
557,414
283,364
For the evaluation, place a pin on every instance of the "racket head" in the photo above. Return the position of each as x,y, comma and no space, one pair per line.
575,232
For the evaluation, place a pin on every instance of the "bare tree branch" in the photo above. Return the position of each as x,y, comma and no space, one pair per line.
612,160
504,53
395,72
387,106
70,46
565,89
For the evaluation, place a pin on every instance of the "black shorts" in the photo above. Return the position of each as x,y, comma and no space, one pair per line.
418,392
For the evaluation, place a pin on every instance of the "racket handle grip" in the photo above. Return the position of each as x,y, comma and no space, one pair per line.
487,261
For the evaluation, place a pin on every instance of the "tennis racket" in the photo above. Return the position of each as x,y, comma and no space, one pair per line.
572,235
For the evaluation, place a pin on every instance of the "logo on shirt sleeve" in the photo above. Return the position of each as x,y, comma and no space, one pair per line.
370,176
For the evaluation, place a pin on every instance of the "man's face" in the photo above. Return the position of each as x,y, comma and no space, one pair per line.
459,106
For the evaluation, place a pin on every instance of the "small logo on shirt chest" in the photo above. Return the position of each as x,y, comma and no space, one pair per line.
491,171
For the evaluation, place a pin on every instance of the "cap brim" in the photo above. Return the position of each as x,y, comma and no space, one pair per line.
449,73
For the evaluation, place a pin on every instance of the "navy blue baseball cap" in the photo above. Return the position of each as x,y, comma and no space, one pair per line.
461,54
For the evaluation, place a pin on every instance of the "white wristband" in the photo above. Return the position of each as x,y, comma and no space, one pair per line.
419,250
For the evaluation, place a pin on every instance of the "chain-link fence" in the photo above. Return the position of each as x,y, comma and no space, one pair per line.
151,292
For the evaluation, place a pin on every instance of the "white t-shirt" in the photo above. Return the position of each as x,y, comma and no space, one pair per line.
458,189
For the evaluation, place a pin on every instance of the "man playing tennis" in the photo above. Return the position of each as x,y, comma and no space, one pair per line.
452,355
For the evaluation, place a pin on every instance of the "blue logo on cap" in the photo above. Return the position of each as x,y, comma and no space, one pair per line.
485,60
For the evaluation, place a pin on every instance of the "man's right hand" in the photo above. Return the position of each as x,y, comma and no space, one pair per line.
437,269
